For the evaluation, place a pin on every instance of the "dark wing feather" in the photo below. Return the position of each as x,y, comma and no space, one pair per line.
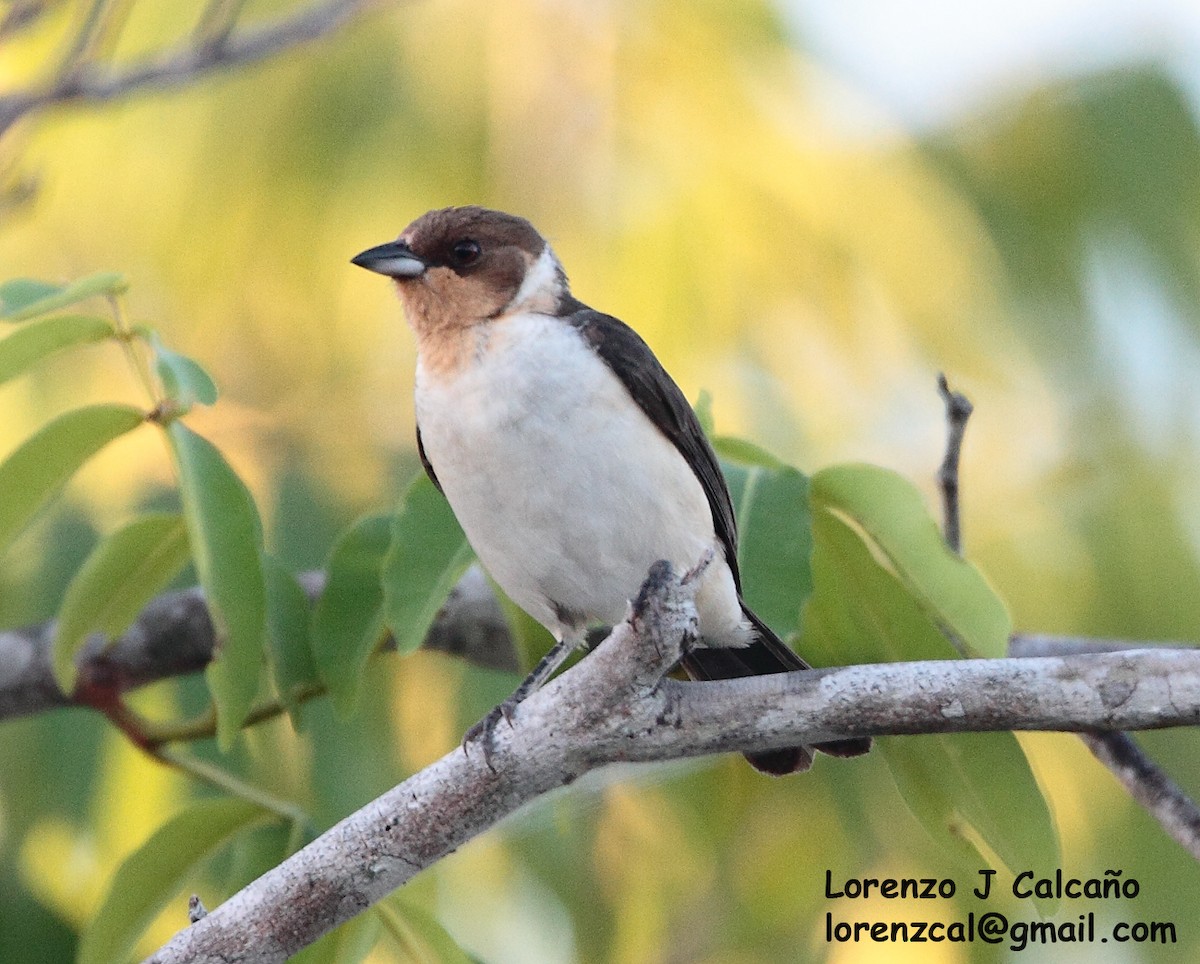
656,394
766,655
425,462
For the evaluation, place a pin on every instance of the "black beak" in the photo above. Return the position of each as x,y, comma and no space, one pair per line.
394,259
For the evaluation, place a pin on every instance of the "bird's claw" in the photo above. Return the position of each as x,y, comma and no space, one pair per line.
485,730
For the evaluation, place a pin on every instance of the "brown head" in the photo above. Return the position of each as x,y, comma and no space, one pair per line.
456,268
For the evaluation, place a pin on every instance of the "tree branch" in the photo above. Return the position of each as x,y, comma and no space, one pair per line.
1150,786
1045,644
81,80
616,706
174,637
20,14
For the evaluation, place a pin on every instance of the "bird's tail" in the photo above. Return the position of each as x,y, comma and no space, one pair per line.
766,655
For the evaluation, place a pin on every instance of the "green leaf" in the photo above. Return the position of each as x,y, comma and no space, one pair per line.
226,539
428,555
774,538
114,583
33,474
22,292
348,944
29,344
152,875
256,851
348,618
892,517
183,379
734,449
869,604
288,616
25,298
421,938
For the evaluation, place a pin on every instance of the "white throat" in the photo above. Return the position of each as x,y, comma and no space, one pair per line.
542,287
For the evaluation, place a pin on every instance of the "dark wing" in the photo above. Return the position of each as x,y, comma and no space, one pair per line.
656,394
648,383
425,462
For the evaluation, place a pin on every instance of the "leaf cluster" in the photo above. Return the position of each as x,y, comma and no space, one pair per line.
269,638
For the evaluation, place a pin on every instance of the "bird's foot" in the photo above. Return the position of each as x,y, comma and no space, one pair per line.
485,730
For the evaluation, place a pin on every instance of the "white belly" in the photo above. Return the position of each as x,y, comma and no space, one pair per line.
565,489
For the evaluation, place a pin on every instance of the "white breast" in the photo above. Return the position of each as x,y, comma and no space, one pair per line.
565,489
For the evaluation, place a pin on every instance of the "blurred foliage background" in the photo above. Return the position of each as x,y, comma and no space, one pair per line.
782,241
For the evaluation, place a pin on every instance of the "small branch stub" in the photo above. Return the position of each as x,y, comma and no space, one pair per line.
196,909
958,411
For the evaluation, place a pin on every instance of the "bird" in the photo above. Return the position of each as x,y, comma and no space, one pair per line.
571,459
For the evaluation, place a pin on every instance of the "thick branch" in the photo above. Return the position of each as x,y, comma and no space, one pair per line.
615,706
97,82
1045,644
174,637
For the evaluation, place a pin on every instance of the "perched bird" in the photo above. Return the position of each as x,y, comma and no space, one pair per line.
571,459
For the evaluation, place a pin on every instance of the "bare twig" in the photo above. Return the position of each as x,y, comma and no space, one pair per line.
1149,786
958,411
1145,781
94,82
218,20
20,15
615,706
85,39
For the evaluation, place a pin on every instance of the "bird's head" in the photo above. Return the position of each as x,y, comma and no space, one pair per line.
457,267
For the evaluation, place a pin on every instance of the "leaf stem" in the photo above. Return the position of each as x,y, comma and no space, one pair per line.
223,780
204,725
137,361
149,738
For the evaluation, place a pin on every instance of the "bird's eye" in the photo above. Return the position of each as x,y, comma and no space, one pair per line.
465,252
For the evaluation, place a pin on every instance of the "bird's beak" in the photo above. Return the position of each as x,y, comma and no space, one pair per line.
394,259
